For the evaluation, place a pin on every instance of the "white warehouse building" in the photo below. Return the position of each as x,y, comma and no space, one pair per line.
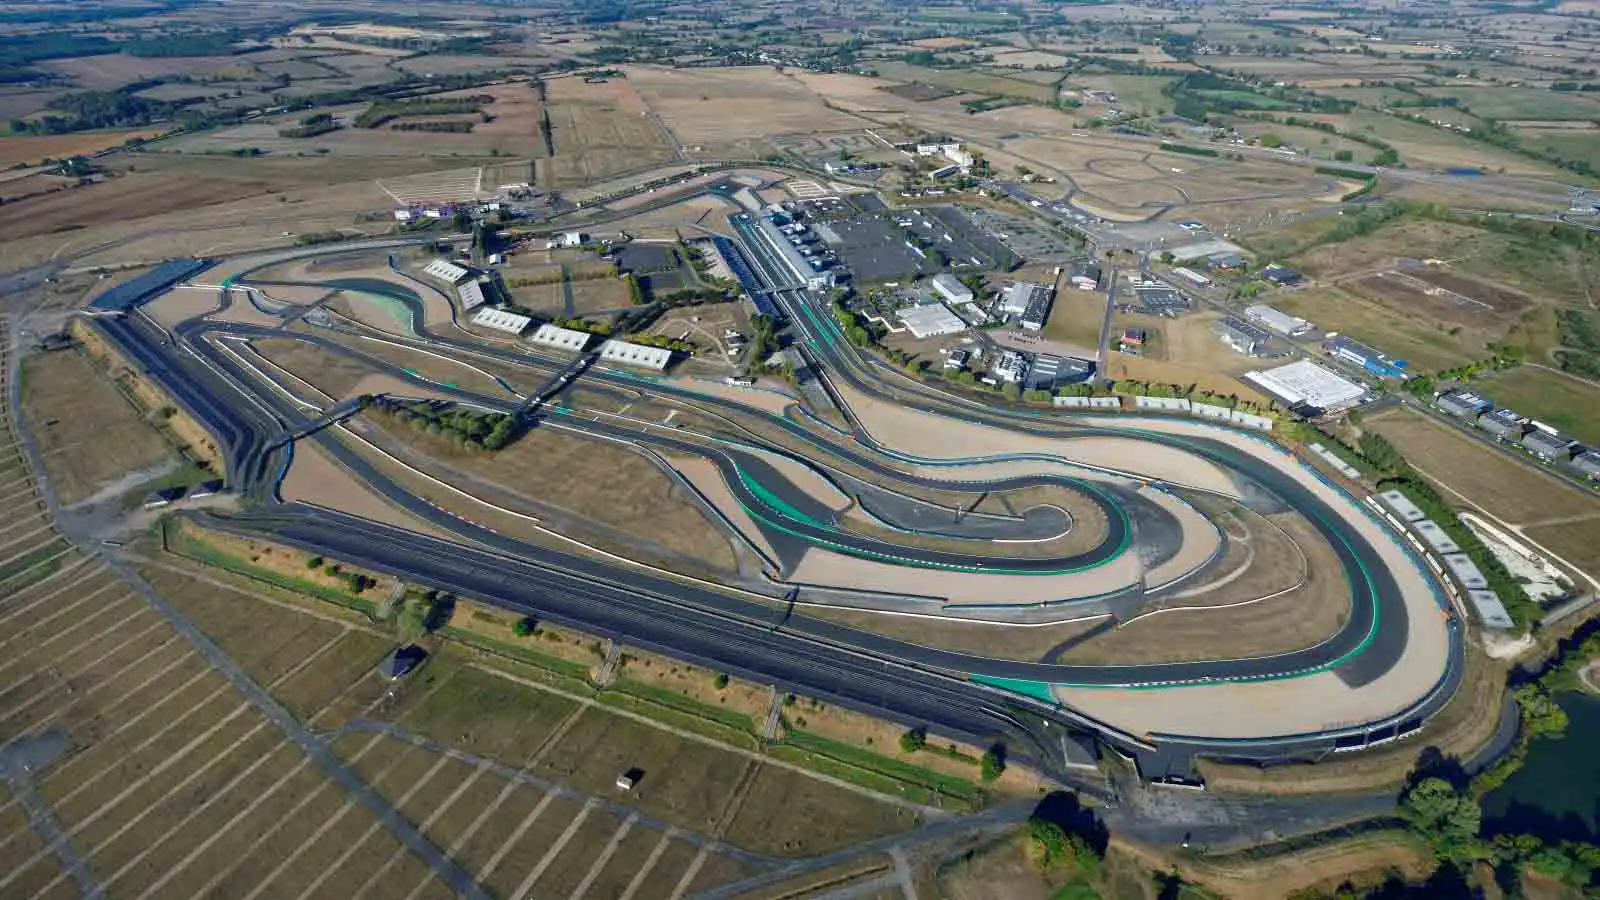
635,355
471,295
951,289
561,338
931,320
446,271
501,320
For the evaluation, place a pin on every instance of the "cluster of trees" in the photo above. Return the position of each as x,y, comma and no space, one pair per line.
86,110
357,581
435,125
1502,357
470,429
312,238
310,126
602,329
1580,343
383,111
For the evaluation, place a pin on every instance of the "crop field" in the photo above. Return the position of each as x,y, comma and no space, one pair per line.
1508,103
88,432
966,81
698,104
31,150
114,70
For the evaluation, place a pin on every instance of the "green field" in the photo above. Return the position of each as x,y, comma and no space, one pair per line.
1136,93
1511,103
1550,397
967,81
1578,145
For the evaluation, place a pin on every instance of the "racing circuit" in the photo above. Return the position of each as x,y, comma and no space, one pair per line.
782,480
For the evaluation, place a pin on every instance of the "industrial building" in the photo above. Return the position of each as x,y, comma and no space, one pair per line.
1277,320
1050,372
1463,404
1014,300
1191,276
1282,276
1161,300
1243,336
951,289
957,360
561,338
1038,311
1503,424
1011,368
501,320
1357,353
1587,463
470,293
931,320
141,288
1225,262
1085,276
629,354
1307,387
1548,445
801,269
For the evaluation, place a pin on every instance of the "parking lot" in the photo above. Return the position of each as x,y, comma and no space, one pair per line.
879,244
1029,240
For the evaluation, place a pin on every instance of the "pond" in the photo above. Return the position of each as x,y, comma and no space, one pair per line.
1556,794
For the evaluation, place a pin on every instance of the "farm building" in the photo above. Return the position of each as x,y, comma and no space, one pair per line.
1304,385
951,289
1243,336
931,320
501,320
561,338
446,271
1548,445
1277,320
1463,404
1503,424
630,354
470,293
1283,276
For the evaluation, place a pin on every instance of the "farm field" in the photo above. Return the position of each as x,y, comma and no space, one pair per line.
966,81
1502,103
30,150
600,130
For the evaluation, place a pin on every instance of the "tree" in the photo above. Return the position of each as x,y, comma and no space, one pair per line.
914,740
721,681
1446,818
525,626
994,762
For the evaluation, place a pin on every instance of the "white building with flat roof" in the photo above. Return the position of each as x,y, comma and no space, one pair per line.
951,289
570,339
1277,320
446,271
501,320
931,320
470,293
1307,383
629,354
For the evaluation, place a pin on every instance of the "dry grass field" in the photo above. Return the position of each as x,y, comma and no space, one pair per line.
31,150
1469,471
87,430
113,70
1557,399
1427,344
728,111
599,130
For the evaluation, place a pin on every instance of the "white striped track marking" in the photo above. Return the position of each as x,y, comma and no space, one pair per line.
555,849
65,681
167,763
217,794
649,863
516,835
49,693
689,873
349,804
610,850
15,576
51,593
441,809
24,656
109,705
23,632
400,849
54,583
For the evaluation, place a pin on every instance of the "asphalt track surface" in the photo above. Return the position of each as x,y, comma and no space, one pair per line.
912,682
